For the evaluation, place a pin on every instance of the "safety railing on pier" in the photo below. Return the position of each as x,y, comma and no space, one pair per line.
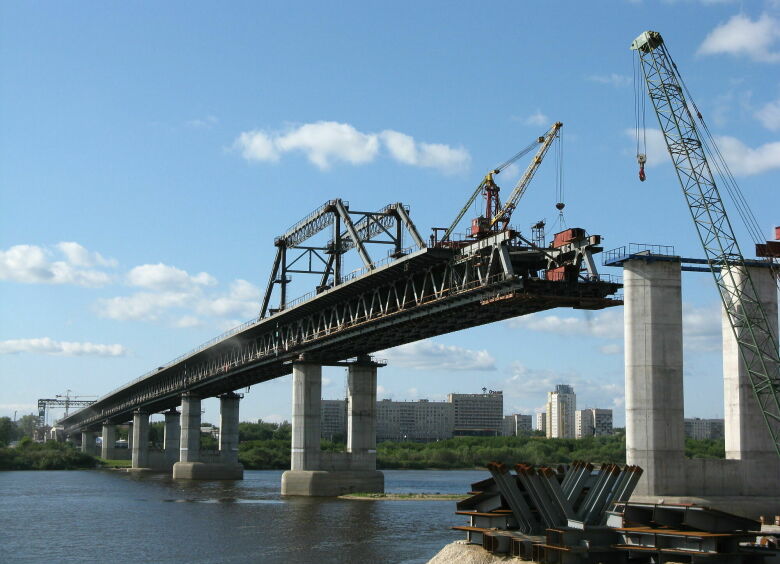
616,257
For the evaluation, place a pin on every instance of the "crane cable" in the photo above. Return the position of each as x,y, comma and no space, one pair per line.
559,184
640,129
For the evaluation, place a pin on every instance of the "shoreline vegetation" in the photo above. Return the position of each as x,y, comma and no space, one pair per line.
266,446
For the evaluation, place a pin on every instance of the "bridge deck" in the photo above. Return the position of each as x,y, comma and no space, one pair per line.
424,294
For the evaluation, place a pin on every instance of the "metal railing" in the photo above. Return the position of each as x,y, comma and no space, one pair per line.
635,249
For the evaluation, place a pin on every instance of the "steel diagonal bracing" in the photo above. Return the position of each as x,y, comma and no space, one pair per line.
749,322
424,294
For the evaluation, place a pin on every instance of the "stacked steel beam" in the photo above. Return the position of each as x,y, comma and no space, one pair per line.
509,512
581,515
655,533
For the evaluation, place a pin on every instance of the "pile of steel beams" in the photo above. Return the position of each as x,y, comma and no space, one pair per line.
509,512
581,515
658,533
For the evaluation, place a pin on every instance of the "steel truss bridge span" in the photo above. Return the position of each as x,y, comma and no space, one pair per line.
426,293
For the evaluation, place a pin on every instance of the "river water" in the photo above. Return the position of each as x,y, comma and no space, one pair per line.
110,516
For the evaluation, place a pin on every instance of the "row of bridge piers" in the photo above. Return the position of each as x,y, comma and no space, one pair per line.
313,472
181,452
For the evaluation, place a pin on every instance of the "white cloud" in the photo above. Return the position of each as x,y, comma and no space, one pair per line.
429,355
702,328
655,149
744,160
257,146
607,324
769,115
741,159
31,264
322,142
243,300
142,306
743,36
611,349
537,118
77,255
163,277
46,345
406,150
181,300
613,79
187,321
202,123
326,142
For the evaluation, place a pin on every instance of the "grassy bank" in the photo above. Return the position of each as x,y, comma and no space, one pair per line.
48,456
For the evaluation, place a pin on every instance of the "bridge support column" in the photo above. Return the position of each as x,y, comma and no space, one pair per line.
228,433
190,466
172,437
314,473
88,442
747,438
655,438
109,441
140,432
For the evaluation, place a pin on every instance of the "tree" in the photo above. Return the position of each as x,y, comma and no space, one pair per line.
27,425
8,431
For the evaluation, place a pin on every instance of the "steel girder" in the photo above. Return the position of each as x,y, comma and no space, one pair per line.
426,293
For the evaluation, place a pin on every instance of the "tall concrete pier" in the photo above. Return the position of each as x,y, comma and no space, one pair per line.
748,480
140,431
743,421
316,473
88,444
190,465
109,441
655,432
172,437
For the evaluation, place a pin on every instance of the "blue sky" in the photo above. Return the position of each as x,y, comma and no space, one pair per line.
151,152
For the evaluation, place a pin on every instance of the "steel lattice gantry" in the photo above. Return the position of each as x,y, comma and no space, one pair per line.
421,294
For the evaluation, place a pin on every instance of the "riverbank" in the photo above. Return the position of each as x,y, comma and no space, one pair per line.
403,497
49,456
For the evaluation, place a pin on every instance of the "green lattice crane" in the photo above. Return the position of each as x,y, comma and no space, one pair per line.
746,314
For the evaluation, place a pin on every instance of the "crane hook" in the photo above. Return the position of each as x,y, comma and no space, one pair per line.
641,158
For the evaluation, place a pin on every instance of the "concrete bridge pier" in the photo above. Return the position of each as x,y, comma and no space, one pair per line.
655,431
139,446
361,424
109,441
228,435
316,473
88,444
746,481
172,437
190,466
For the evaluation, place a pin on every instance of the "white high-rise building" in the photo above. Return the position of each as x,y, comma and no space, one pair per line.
540,421
561,405
517,424
590,422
